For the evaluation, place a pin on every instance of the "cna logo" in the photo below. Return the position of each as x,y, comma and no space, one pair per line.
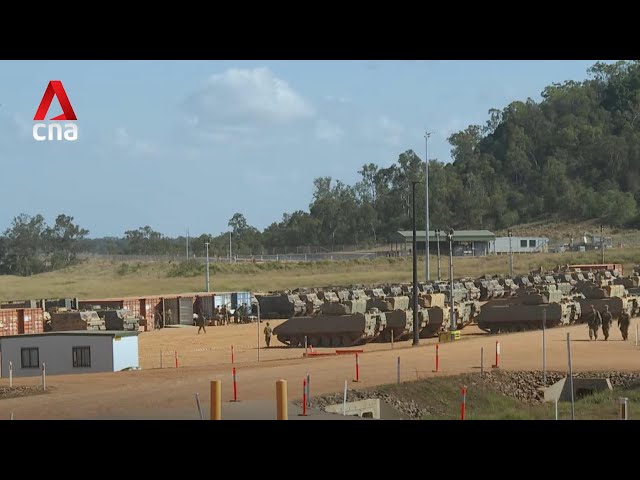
54,131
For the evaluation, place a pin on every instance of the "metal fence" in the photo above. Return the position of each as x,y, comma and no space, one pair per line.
290,257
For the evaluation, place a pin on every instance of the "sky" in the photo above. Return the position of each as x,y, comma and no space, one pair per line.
180,145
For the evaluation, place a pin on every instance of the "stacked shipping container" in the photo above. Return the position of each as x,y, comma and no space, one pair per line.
21,320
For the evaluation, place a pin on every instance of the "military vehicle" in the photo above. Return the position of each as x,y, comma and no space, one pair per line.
393,290
487,289
312,303
613,295
527,311
280,306
328,296
62,321
119,319
400,324
437,320
346,308
389,304
331,330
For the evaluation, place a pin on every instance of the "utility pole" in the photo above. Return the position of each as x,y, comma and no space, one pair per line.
602,241
454,324
206,247
230,247
187,244
438,243
416,332
510,255
426,183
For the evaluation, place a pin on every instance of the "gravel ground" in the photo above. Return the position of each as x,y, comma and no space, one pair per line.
524,386
20,391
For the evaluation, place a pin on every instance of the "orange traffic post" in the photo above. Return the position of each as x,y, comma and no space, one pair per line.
216,400
282,408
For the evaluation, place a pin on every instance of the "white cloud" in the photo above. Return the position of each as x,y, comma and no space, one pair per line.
246,97
384,129
328,131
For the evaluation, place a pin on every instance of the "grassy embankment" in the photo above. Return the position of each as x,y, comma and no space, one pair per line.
442,397
99,279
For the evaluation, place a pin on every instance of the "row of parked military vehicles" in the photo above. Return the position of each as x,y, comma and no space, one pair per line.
62,319
339,317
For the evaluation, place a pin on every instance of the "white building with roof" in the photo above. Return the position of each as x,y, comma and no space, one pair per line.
83,351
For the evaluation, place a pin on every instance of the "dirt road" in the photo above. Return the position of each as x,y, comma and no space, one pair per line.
154,392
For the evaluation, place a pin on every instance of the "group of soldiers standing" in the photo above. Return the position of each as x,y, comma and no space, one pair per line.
605,320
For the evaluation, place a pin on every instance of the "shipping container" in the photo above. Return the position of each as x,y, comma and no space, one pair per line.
239,298
15,304
186,310
203,305
133,305
8,322
149,308
222,300
171,305
114,303
32,321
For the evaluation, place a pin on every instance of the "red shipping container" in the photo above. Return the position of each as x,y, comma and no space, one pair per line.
132,304
148,308
8,322
33,320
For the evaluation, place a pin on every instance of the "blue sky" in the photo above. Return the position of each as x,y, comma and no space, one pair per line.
186,144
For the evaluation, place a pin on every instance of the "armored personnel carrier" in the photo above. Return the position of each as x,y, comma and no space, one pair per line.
527,311
400,324
280,305
65,321
331,330
120,319
312,303
613,295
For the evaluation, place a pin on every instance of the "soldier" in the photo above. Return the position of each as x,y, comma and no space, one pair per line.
623,324
169,320
594,322
267,335
224,315
607,320
200,322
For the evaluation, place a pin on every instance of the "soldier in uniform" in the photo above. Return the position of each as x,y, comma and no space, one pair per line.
267,334
169,318
607,320
594,322
623,324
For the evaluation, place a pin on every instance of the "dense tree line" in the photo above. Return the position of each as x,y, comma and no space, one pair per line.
31,246
574,155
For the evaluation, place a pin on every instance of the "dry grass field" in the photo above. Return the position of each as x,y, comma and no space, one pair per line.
99,279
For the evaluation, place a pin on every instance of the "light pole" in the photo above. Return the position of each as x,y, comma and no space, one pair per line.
602,241
510,255
206,247
229,247
416,332
187,244
451,301
438,243
426,183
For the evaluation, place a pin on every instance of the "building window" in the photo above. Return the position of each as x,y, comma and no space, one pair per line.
523,244
532,243
81,356
30,357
